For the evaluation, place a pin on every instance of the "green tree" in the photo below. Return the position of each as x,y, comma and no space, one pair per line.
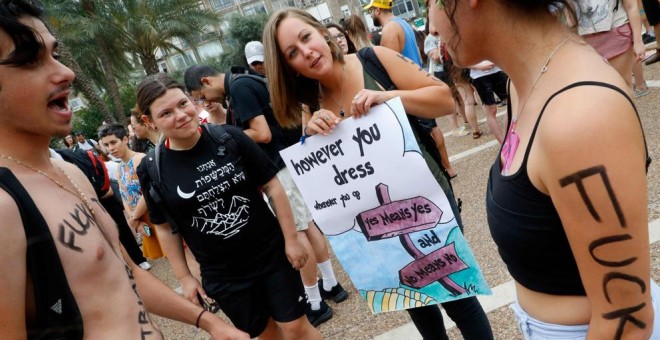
241,31
144,26
97,57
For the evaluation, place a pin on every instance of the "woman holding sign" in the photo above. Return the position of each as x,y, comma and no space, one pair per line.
569,219
306,68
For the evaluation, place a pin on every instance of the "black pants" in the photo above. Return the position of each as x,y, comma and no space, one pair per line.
116,211
468,315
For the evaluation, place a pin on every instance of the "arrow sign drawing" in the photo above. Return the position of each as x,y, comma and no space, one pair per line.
432,267
398,217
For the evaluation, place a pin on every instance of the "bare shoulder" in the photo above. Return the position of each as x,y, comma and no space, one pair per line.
76,175
591,125
13,247
12,234
137,159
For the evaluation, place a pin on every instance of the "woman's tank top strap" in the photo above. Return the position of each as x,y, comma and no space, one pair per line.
566,88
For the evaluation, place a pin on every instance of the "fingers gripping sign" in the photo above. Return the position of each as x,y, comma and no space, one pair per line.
323,122
365,99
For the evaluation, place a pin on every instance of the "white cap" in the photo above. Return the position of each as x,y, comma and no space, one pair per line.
254,51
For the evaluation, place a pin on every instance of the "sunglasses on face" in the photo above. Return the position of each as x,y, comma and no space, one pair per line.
256,63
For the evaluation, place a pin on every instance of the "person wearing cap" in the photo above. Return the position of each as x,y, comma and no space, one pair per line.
397,34
254,53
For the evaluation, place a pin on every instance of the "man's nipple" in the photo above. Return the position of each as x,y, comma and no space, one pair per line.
100,252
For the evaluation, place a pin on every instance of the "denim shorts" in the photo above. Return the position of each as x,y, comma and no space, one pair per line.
533,329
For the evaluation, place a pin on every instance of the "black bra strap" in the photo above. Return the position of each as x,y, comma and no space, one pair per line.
584,83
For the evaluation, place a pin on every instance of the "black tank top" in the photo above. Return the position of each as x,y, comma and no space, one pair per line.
526,227
57,313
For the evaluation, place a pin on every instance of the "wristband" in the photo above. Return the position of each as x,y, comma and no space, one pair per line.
199,317
304,135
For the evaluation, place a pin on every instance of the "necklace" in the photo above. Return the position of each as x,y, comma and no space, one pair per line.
513,139
342,113
78,193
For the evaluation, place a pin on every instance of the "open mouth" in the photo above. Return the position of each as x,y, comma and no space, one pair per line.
60,102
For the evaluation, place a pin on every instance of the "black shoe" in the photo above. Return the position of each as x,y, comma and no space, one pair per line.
337,293
647,39
654,58
317,317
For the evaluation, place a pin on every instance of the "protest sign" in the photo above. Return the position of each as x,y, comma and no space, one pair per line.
387,219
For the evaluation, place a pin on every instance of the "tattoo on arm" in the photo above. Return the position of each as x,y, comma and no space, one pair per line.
577,179
410,62
607,240
621,276
623,315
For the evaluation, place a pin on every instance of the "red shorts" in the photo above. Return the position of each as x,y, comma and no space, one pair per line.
611,43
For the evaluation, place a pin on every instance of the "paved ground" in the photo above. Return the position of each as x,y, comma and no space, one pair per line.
352,318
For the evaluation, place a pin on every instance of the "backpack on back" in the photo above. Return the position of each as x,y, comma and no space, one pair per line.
235,73
220,137
92,166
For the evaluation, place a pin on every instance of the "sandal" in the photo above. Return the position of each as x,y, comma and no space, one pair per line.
476,135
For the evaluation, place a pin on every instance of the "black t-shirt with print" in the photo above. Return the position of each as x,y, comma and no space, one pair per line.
218,207
250,99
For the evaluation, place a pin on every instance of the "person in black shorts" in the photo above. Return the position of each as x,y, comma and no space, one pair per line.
652,9
489,81
205,185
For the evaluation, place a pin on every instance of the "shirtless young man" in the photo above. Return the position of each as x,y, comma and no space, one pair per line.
62,272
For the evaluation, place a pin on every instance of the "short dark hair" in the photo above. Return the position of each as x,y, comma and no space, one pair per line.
27,43
152,88
194,74
115,129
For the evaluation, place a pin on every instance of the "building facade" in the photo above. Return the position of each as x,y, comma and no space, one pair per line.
323,10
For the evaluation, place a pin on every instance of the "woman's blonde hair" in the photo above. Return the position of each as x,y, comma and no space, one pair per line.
357,30
288,90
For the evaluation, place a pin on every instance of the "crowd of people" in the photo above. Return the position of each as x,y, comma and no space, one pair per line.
197,175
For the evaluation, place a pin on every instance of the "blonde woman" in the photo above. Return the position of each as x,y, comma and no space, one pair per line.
302,61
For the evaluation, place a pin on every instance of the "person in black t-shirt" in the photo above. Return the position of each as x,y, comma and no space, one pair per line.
249,102
212,193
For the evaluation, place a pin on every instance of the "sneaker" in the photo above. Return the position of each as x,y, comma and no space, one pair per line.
647,39
641,92
461,131
317,317
145,265
337,293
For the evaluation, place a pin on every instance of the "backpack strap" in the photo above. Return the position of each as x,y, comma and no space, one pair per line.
221,138
156,189
57,312
375,68
377,71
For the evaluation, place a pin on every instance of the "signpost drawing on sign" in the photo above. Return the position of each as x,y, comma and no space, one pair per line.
400,253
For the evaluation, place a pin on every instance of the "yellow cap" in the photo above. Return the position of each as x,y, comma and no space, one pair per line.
385,4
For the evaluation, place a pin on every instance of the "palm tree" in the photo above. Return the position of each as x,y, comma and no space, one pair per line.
96,58
145,26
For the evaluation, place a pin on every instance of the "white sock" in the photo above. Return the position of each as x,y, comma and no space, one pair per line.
329,279
313,296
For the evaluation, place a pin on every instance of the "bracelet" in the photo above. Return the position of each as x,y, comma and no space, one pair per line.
199,317
304,135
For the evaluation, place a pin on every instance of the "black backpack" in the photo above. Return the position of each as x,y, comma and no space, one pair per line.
220,137
235,73
91,165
